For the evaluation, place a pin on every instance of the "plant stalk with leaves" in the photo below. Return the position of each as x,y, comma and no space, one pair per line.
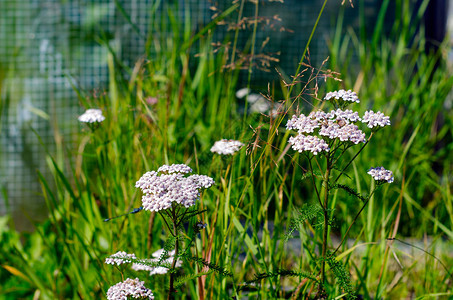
330,135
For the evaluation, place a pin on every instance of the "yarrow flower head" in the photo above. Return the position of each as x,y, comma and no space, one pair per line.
343,131
171,185
175,168
157,258
226,147
342,95
381,175
308,143
375,119
119,258
129,288
319,128
92,115
304,124
316,128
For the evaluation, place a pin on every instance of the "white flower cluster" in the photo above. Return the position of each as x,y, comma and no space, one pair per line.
375,119
303,124
346,132
347,96
347,114
92,115
381,174
156,258
119,258
332,125
336,124
169,184
226,147
175,168
308,143
129,288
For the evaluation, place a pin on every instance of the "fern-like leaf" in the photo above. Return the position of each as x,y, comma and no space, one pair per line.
341,275
283,273
350,191
307,212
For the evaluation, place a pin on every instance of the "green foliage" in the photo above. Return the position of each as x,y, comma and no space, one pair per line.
192,213
182,280
341,275
281,273
212,266
350,191
306,213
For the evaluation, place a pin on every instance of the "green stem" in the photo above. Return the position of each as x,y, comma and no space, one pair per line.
363,146
326,226
313,180
171,293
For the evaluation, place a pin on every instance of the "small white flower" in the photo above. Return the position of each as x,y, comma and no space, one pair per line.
347,96
170,184
381,174
92,115
304,124
201,181
347,114
308,143
175,168
119,258
226,147
375,119
319,115
129,288
253,98
242,93
345,132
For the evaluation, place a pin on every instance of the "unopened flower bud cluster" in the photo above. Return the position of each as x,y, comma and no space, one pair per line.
226,147
170,184
129,288
92,115
316,130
